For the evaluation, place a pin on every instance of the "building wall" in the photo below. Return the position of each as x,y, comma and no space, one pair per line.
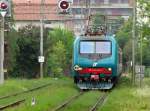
100,2
29,12
109,7
51,24
82,8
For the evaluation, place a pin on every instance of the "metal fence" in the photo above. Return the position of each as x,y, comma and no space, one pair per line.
142,70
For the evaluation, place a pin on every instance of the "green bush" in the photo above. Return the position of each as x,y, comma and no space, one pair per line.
25,47
66,38
57,59
147,72
26,58
10,55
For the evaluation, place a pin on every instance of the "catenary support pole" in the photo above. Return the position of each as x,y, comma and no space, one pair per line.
41,36
2,51
133,42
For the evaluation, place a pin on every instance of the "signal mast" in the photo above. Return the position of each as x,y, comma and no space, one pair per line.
5,11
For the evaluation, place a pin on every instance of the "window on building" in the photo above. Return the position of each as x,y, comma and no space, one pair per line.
106,1
113,1
99,1
124,1
77,11
93,1
82,2
75,1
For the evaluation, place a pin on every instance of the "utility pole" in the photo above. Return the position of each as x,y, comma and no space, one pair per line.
141,34
2,51
141,47
133,42
41,57
5,10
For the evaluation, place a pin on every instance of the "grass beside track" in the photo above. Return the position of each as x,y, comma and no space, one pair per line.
127,98
12,86
123,97
47,98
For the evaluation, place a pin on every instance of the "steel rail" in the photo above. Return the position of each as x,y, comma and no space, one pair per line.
16,103
64,104
27,91
99,102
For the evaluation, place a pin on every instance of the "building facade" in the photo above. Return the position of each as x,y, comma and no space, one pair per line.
81,9
29,12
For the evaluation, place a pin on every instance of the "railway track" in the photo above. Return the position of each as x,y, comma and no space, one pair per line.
16,103
13,104
61,106
99,102
27,91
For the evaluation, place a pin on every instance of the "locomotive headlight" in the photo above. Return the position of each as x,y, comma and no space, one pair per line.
110,69
77,68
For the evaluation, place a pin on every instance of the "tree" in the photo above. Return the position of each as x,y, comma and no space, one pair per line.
144,8
10,51
57,59
124,37
144,31
144,41
66,37
124,34
28,44
127,51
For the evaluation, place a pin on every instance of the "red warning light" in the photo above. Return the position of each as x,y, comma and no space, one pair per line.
64,5
3,6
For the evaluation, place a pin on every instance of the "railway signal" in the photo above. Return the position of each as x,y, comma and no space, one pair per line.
5,7
63,5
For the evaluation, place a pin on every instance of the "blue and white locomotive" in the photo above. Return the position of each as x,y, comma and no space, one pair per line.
97,62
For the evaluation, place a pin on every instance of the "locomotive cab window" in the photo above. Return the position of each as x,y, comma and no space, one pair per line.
87,47
103,47
95,47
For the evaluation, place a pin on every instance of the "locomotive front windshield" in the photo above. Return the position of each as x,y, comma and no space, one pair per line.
95,47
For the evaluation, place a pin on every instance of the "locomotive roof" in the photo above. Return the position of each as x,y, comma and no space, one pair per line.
102,37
